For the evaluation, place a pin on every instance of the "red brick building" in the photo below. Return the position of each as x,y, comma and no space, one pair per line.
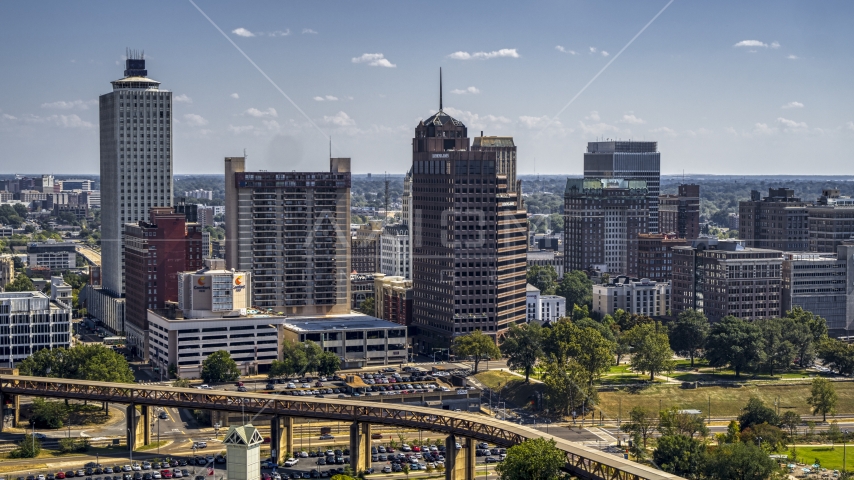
393,298
155,252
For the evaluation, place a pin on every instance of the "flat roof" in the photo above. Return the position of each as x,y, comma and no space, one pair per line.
338,322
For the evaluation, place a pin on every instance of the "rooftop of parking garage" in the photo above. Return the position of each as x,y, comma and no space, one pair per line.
324,323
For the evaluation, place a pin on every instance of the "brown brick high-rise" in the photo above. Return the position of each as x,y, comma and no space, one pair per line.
469,234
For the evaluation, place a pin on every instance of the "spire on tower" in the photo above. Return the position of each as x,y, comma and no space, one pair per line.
440,88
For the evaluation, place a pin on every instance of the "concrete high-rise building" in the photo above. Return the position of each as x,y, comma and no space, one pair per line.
726,278
469,229
778,221
156,251
291,231
821,283
680,213
602,220
136,160
628,160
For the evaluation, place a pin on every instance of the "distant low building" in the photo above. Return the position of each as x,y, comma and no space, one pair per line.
544,258
53,255
361,289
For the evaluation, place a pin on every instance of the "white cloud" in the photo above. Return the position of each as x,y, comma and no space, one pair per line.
594,115
504,52
593,50
234,96
701,131
183,98
240,129
242,32
793,105
751,43
340,119
731,130
775,44
849,125
64,121
374,60
665,131
327,98
254,112
793,57
465,91
763,129
791,124
564,50
308,31
63,105
280,33
536,122
475,120
597,128
195,120
271,125
632,119
604,53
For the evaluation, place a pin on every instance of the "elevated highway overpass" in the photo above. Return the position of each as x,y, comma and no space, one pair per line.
461,427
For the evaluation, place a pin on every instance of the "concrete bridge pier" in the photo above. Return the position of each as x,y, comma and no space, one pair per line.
138,423
282,437
459,462
360,446
14,406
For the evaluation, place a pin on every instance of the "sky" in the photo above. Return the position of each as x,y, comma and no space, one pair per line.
725,87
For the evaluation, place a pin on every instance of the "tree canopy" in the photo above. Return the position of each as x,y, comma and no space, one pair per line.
477,346
523,346
576,288
734,342
650,349
219,367
689,333
537,459
83,362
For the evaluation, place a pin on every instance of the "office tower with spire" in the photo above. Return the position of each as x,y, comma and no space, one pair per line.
469,230
136,160
628,160
291,230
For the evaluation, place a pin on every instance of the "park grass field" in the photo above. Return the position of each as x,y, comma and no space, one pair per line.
726,401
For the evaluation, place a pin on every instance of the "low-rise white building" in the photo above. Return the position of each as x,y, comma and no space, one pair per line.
60,291
358,340
552,308
532,303
29,322
638,296
543,308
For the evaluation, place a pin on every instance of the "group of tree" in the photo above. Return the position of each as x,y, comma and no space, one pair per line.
303,358
21,283
536,459
13,215
82,362
575,286
368,306
767,345
573,352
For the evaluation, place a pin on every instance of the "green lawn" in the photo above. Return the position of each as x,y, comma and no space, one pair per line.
725,401
828,457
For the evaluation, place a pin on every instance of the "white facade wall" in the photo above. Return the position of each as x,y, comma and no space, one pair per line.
394,255
552,308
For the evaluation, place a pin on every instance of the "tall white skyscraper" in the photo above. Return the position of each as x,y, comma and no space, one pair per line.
136,160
